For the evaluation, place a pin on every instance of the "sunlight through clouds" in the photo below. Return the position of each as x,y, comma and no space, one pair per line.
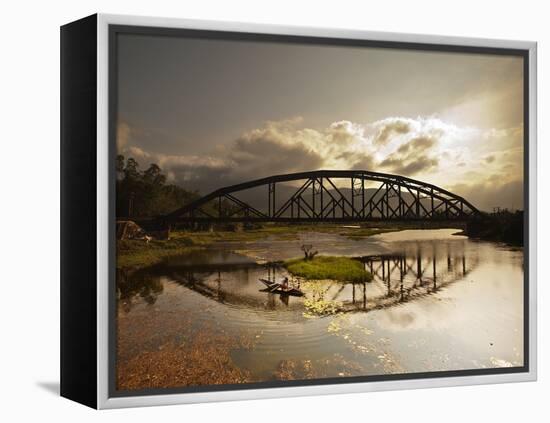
427,148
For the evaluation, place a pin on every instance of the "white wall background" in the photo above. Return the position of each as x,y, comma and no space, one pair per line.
29,207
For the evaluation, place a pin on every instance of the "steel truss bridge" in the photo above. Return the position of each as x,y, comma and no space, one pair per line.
328,196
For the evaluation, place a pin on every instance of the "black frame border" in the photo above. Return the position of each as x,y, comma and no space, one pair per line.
115,29
78,211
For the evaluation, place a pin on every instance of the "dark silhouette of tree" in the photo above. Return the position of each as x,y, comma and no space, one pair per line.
119,166
145,193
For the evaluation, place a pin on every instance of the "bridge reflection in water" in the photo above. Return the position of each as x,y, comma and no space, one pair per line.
400,278
397,278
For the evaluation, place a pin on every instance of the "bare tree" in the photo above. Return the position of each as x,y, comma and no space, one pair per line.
308,254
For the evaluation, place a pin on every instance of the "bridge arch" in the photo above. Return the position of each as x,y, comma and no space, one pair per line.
328,196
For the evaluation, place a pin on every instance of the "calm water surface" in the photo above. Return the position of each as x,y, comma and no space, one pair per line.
437,302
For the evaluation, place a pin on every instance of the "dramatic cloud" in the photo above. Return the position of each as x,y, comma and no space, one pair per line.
278,147
390,127
409,166
417,144
410,158
428,149
413,147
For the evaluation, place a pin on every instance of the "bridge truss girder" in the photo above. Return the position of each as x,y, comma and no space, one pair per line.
320,199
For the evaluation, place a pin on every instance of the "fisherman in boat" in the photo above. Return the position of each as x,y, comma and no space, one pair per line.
284,285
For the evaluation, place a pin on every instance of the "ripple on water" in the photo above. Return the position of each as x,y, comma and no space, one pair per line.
458,302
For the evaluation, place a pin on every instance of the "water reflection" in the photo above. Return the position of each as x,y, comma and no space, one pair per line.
436,302
131,286
400,278
231,279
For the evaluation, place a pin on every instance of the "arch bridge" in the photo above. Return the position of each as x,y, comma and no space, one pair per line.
327,196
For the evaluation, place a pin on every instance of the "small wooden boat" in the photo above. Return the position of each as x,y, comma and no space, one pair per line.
277,288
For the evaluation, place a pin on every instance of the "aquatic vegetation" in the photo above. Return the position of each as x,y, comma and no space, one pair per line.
344,269
320,307
499,362
180,365
334,327
315,304
275,341
294,369
336,364
201,359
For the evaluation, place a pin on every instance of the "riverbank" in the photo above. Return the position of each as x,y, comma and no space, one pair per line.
172,318
501,227
138,253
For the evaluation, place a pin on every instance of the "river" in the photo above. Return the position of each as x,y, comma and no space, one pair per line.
438,301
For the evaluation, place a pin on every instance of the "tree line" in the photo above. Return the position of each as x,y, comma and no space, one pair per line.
145,193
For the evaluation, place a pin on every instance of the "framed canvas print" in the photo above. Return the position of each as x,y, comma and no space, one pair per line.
254,211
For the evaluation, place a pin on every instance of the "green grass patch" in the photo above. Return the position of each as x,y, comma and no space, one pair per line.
342,269
280,232
137,253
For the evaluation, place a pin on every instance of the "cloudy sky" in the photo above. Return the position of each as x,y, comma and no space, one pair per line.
212,113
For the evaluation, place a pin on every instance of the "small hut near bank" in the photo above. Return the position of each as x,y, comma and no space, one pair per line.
127,229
